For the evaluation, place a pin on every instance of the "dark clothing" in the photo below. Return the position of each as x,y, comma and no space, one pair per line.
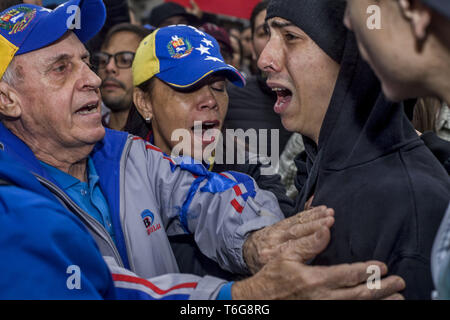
439,147
388,191
251,107
117,11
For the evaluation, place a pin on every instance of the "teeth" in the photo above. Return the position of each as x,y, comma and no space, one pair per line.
92,108
278,89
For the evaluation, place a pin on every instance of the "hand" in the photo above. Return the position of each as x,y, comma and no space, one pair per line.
308,204
195,9
303,236
290,279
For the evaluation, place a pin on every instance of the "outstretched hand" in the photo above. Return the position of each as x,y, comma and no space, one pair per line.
301,237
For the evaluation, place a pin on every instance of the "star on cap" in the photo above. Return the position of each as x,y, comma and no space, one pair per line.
208,42
209,58
196,30
203,49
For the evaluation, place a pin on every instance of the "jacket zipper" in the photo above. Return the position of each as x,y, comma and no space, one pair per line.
93,224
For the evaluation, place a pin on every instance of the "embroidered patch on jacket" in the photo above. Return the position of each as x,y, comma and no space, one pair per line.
149,218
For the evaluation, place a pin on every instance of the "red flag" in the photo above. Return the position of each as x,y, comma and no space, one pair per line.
236,8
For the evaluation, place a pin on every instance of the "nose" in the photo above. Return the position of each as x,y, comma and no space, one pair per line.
89,79
271,56
206,99
111,67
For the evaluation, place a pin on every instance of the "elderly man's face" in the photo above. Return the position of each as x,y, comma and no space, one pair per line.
59,96
301,73
391,50
206,105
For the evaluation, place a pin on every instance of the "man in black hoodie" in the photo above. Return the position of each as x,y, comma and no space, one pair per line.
364,158
418,66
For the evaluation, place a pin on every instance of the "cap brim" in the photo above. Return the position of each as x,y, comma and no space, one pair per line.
198,74
92,18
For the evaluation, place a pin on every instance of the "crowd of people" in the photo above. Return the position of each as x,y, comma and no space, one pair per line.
180,158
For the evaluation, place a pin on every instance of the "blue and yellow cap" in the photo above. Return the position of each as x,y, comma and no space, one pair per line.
181,56
25,28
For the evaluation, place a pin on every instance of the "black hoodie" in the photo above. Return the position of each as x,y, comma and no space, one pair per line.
388,191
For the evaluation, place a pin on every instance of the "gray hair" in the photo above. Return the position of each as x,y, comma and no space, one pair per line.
11,75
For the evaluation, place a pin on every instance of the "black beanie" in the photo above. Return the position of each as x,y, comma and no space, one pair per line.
441,6
321,20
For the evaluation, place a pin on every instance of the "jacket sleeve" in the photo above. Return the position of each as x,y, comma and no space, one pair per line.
174,286
45,253
221,210
273,184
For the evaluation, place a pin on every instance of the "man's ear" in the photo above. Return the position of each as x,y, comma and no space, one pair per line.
10,106
143,104
418,15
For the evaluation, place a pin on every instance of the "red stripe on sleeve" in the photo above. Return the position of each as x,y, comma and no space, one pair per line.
237,206
148,284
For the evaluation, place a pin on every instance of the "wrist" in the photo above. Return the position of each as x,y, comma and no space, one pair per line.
250,254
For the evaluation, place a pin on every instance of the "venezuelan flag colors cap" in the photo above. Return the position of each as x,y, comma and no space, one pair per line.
181,56
25,28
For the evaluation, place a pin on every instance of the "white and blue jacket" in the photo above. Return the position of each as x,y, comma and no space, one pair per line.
150,196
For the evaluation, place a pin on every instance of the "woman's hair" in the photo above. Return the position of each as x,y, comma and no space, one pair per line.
425,113
136,124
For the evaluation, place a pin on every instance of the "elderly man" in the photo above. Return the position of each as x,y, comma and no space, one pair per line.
417,66
129,194
113,64
364,158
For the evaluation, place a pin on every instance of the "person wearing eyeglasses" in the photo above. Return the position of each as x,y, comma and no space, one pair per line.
113,65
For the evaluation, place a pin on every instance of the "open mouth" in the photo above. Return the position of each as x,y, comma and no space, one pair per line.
89,108
284,97
201,127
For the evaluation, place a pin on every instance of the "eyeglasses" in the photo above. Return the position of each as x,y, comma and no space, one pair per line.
123,60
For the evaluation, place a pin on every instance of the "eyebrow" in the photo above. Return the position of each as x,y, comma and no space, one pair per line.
64,56
280,24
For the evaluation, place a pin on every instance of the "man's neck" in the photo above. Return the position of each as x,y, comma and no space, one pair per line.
76,169
118,119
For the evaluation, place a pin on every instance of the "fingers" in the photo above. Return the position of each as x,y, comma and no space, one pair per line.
305,217
307,247
389,288
396,296
351,275
308,204
301,230
315,214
